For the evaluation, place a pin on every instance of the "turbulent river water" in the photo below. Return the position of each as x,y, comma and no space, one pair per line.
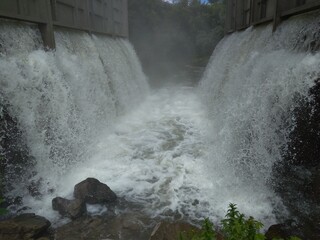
86,110
157,157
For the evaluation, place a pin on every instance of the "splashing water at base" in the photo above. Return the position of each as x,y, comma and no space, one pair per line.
157,158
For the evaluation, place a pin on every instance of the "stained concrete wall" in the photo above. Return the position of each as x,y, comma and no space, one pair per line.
98,16
244,13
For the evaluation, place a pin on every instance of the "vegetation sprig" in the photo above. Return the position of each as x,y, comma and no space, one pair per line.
235,226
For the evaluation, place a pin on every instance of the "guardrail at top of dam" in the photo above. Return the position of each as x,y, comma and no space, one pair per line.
242,14
98,16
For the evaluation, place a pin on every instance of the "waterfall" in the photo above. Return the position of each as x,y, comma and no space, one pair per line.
251,87
183,152
64,99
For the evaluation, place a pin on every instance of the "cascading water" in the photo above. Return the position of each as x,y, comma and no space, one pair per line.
63,100
173,155
252,85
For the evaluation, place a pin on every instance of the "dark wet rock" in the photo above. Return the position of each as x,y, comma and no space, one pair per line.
195,202
279,231
134,226
92,191
11,201
303,230
14,154
69,208
297,178
24,227
34,188
83,228
304,147
129,226
172,231
315,186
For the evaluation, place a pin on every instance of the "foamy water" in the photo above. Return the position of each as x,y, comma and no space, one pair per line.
252,85
157,157
86,111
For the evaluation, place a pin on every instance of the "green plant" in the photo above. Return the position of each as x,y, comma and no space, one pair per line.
207,232
236,226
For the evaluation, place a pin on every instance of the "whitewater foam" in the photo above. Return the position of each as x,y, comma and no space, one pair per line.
251,86
64,99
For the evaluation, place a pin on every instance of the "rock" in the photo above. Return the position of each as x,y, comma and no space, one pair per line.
16,159
94,192
316,186
128,226
172,231
82,228
195,202
34,187
296,179
283,231
24,227
277,231
133,226
69,208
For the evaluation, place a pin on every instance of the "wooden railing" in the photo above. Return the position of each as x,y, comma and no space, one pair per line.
245,13
98,16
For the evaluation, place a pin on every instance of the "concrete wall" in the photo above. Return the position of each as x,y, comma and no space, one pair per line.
244,13
98,16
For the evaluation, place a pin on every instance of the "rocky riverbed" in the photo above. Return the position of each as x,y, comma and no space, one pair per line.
120,221
127,223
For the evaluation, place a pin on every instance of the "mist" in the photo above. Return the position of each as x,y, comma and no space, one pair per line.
174,41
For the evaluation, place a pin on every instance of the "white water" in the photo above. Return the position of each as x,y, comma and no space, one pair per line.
251,86
63,100
75,106
154,157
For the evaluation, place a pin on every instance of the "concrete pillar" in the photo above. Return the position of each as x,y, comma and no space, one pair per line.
46,29
276,16
125,21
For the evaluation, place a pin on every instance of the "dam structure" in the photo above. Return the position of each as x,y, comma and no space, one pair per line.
242,14
68,73
95,16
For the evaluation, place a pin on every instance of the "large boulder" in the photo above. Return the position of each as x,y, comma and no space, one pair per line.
24,227
172,231
69,208
92,191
